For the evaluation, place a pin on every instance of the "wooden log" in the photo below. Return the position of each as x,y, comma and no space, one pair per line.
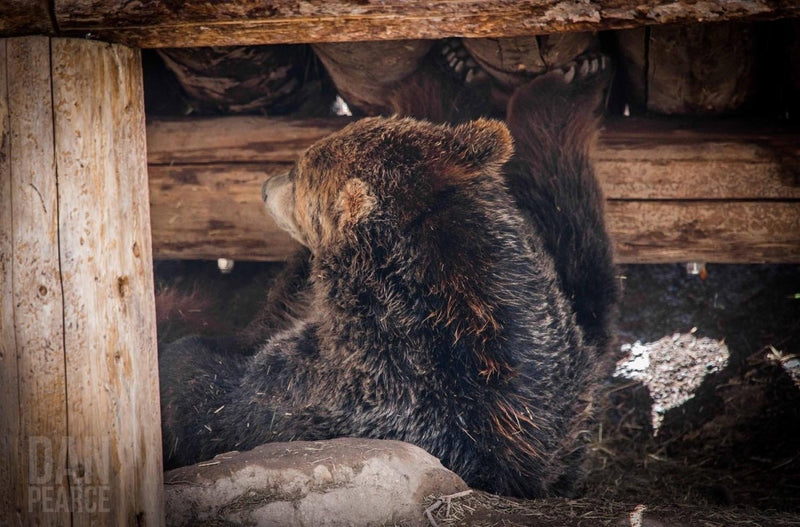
636,158
707,231
711,160
675,192
197,214
163,23
25,17
234,139
693,69
33,419
80,319
211,211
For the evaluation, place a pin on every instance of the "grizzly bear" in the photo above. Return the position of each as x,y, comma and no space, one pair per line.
457,291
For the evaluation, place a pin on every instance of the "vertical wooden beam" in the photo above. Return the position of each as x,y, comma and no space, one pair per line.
33,412
9,396
75,245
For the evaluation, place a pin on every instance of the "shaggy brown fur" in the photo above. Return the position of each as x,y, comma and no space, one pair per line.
457,298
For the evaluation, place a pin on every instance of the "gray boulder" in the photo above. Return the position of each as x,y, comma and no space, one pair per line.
341,482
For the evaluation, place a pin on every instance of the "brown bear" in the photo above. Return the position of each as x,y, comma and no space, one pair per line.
456,296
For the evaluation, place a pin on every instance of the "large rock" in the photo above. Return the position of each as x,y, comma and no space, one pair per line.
341,482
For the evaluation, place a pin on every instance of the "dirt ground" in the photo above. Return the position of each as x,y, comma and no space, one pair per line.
702,425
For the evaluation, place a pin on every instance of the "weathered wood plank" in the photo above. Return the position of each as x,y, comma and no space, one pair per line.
205,176
215,211
234,139
33,415
696,69
11,498
664,159
106,263
163,23
636,159
199,214
25,17
712,231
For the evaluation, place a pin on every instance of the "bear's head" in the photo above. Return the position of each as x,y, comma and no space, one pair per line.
390,171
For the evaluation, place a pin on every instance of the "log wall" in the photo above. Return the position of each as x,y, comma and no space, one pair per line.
80,420
675,192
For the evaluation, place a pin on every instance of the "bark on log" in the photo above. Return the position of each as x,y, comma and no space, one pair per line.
78,312
25,17
163,23
674,193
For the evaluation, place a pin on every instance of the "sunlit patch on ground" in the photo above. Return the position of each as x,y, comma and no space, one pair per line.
672,368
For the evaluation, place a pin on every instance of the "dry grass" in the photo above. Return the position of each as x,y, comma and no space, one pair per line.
480,509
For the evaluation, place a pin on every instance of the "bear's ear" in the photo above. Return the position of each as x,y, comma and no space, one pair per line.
483,143
354,203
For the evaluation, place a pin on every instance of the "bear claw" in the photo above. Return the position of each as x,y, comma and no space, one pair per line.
461,63
584,66
569,74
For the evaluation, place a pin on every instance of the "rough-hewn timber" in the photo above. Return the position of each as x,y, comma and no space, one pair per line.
722,192
78,369
33,405
165,23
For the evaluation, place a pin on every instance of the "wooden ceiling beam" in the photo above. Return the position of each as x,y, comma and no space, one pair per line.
192,23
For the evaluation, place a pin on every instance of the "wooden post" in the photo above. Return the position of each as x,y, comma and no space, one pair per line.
79,405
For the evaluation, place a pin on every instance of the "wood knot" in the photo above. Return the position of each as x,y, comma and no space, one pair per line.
42,290
136,250
123,286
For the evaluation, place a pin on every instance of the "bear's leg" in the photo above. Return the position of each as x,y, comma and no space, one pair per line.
448,87
553,120
197,375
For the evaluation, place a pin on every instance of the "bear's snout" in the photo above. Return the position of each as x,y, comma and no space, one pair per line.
270,185
265,191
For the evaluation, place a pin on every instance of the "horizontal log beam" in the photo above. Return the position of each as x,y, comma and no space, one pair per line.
165,23
717,193
212,211
705,231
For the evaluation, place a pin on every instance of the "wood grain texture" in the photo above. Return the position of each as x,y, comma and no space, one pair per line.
33,419
25,17
109,313
11,497
676,192
234,139
698,69
636,158
670,159
163,23
197,214
204,218
712,231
